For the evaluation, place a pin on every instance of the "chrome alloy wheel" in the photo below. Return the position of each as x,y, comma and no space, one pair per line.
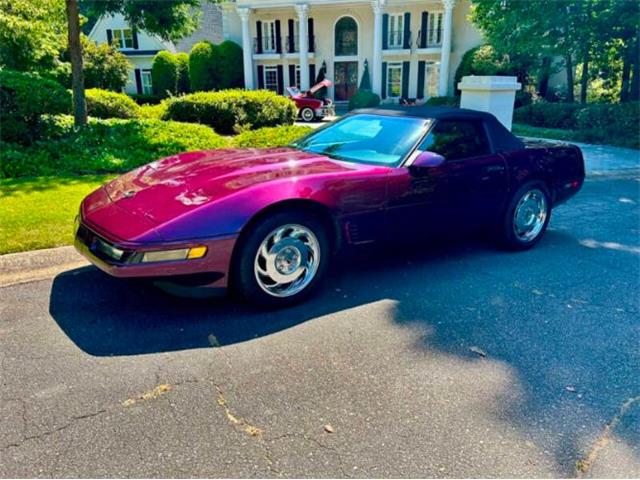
287,260
307,114
530,215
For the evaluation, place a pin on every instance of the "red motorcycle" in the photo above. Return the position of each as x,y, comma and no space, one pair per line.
309,107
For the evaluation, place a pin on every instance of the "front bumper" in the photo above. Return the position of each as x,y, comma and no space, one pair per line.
115,258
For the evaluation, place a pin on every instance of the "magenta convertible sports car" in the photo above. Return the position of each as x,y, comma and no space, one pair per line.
265,222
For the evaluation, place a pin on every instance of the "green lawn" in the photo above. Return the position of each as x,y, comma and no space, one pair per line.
523,130
38,212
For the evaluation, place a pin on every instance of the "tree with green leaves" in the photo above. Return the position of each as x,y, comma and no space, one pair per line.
169,19
104,66
32,34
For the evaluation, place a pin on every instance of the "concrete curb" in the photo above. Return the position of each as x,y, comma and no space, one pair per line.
36,265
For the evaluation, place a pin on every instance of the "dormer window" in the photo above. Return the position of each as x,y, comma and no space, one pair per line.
122,38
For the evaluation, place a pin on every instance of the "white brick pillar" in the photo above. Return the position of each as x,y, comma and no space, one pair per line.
247,51
445,53
493,94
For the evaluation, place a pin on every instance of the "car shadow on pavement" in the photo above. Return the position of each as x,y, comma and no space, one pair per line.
543,313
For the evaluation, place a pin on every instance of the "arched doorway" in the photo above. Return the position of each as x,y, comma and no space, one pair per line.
345,45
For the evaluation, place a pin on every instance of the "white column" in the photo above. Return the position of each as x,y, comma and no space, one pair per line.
376,64
303,45
446,47
247,51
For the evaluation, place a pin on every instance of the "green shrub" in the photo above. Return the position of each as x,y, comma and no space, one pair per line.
183,73
484,60
24,97
106,104
164,74
203,74
230,66
230,111
364,99
443,102
104,146
270,136
104,66
550,115
157,112
615,123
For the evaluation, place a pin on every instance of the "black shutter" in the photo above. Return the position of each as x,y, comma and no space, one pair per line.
278,42
109,36
258,36
312,74
292,75
407,30
383,94
291,39
424,22
385,31
260,77
405,79
421,71
138,81
312,38
280,79
134,34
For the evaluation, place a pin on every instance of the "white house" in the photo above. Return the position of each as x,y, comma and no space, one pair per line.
412,47
140,47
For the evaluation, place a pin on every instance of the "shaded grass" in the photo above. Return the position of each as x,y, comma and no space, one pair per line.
39,212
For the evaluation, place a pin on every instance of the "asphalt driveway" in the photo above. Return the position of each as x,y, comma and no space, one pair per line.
453,360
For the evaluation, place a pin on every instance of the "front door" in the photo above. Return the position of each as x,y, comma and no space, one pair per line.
346,80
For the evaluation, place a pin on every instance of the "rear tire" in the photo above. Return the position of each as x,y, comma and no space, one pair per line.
281,260
527,216
307,114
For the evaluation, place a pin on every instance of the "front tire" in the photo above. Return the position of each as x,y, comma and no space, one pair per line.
527,216
281,260
307,114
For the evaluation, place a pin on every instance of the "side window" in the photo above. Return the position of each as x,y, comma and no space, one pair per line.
456,139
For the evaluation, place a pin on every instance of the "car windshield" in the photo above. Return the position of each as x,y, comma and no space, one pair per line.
366,138
293,91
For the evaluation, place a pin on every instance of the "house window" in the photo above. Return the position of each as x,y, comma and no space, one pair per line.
432,76
434,30
298,83
123,38
396,30
271,78
147,87
346,37
269,40
394,79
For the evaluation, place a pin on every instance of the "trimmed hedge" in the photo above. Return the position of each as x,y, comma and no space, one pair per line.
203,74
612,123
230,65
103,146
24,97
270,136
364,99
164,74
231,111
106,104
182,71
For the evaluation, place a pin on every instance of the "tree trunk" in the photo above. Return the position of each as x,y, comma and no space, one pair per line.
584,79
75,55
569,66
545,73
626,73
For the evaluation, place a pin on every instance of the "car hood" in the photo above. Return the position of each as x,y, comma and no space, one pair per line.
168,188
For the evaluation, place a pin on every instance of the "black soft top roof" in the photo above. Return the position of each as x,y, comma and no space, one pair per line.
502,140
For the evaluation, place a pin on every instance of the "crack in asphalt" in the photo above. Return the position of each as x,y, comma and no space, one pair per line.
585,464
